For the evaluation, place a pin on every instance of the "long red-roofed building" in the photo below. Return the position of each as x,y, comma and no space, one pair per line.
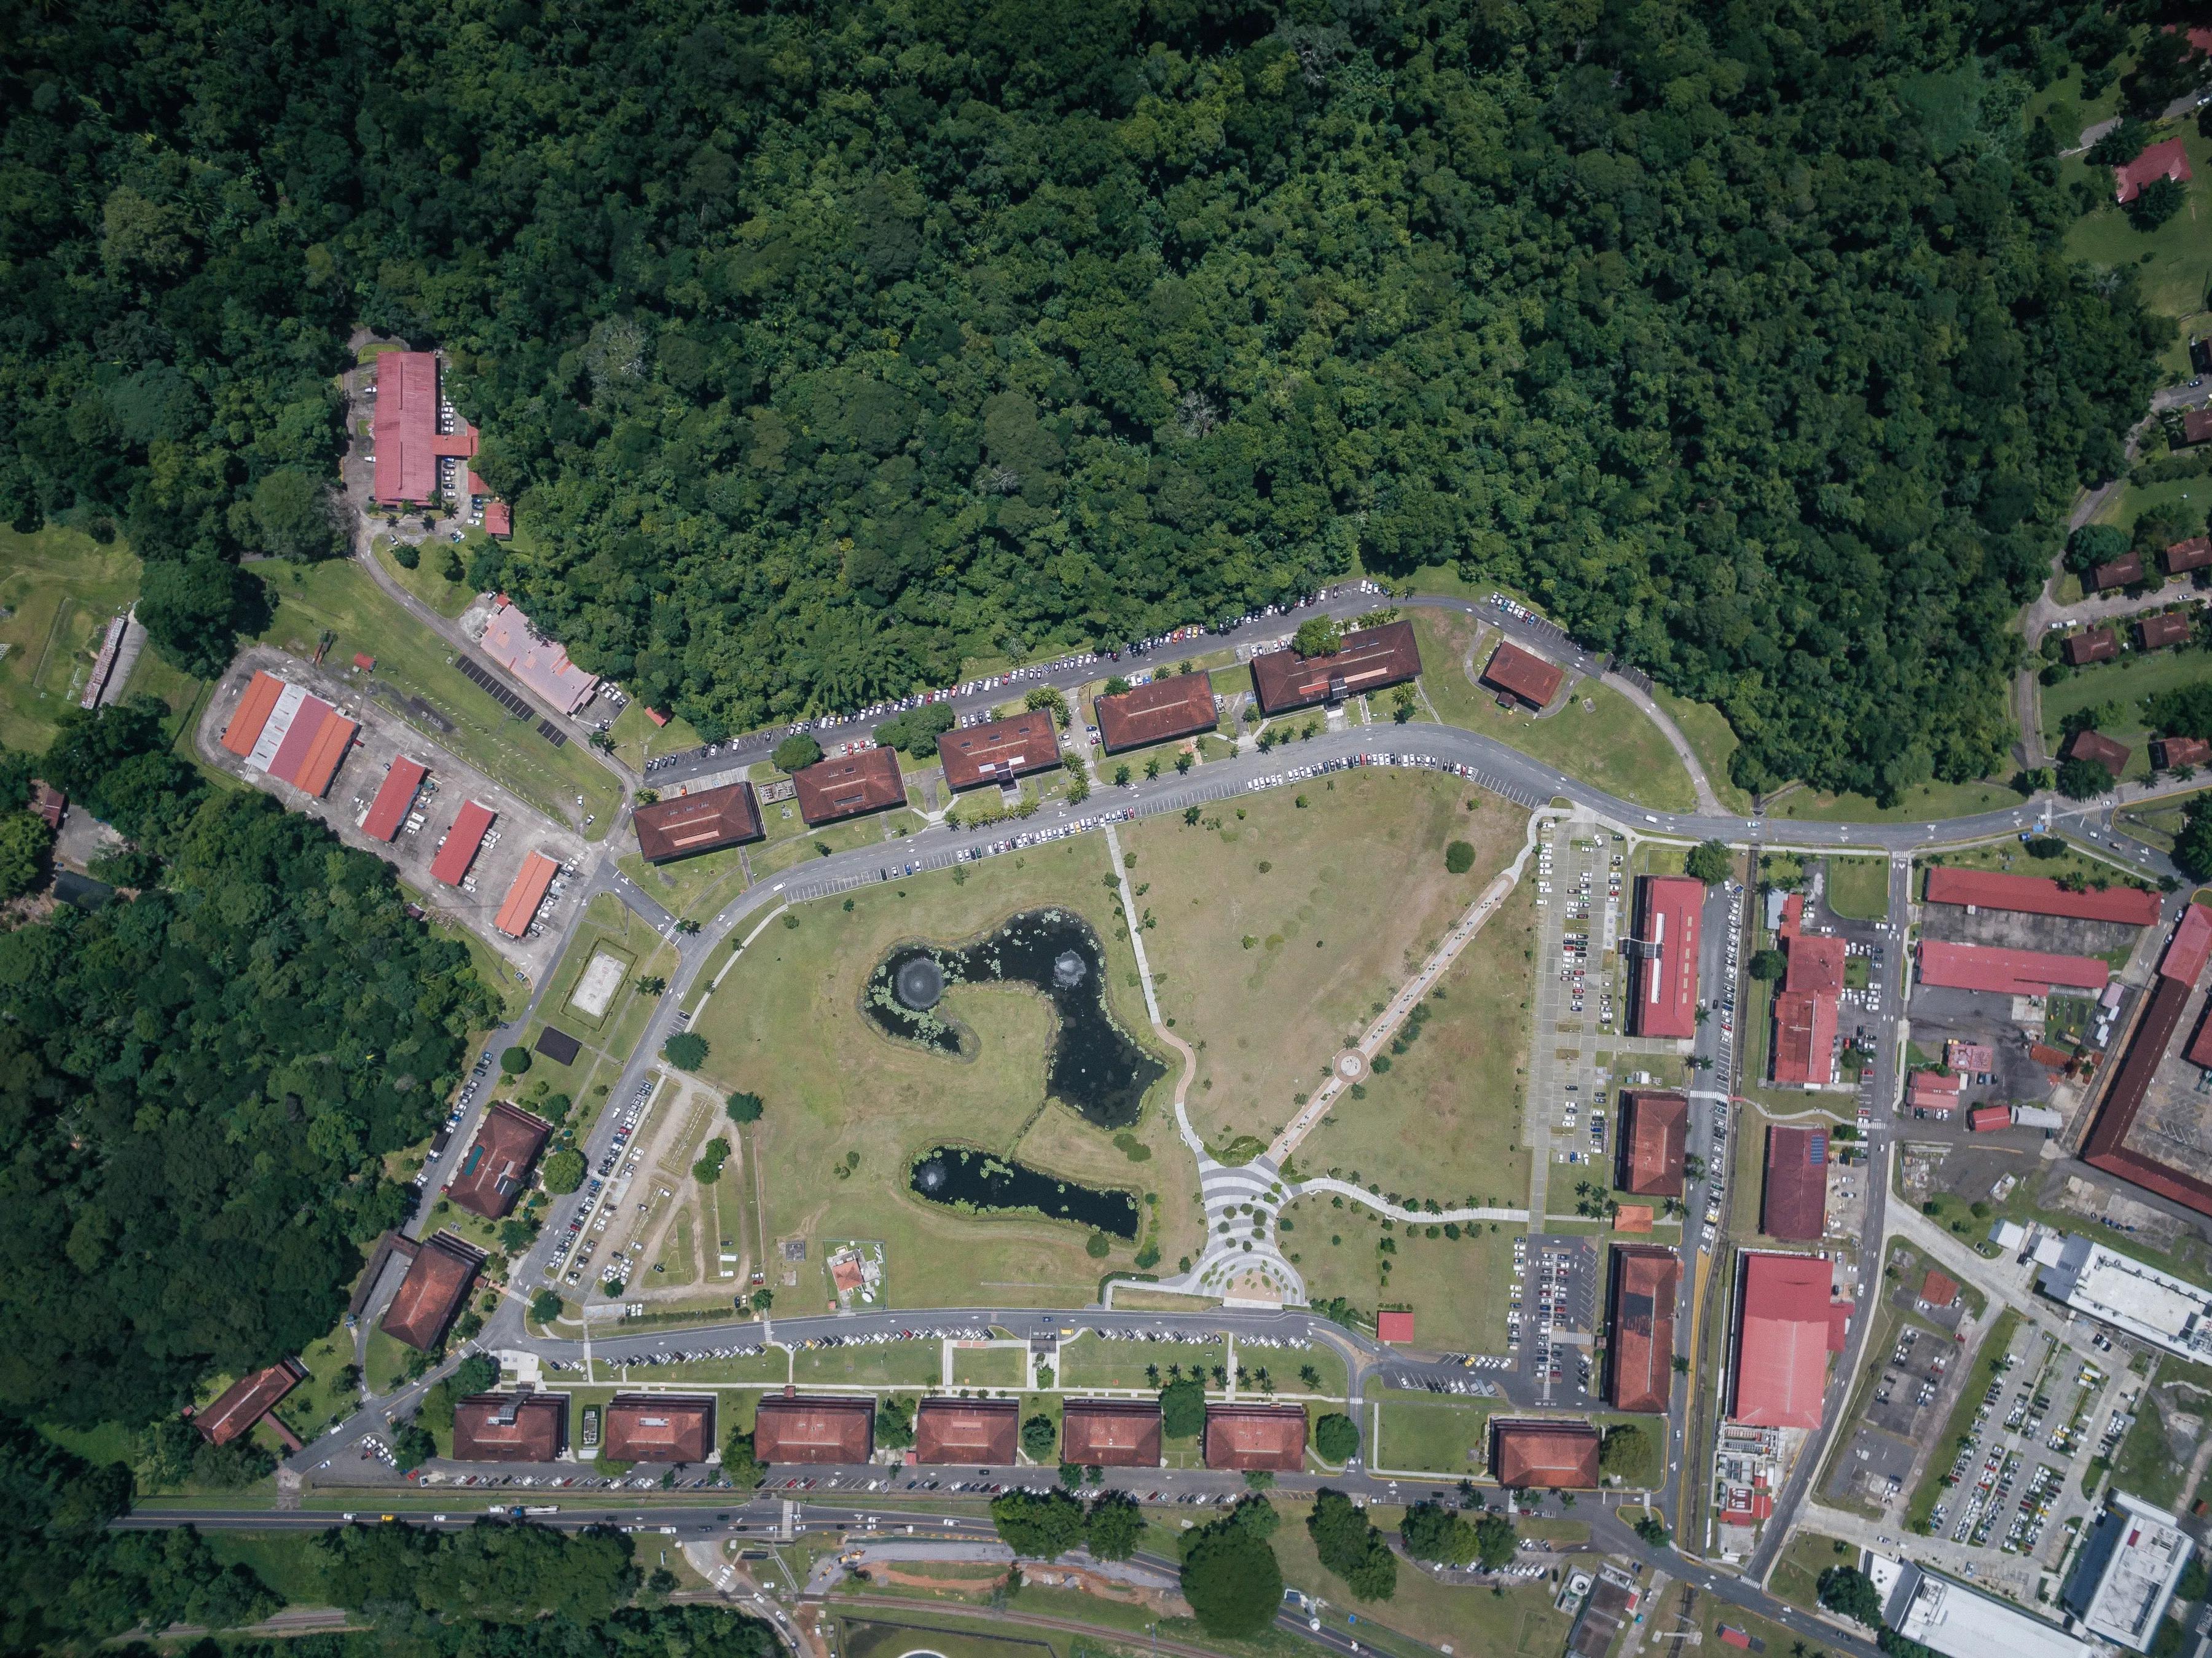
1796,1203
510,1427
2037,895
1947,966
660,1427
451,864
404,427
245,1402
1663,1001
283,730
1639,1351
791,1427
1787,1323
1544,1455
2180,969
1170,706
395,796
1244,1436
1654,1130
1804,1047
983,1432
1366,660
1110,1433
849,786
519,908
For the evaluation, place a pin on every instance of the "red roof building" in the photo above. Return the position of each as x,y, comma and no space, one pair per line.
1938,1288
497,1168
245,1402
2107,1146
2123,572
395,798
2195,553
685,825
2092,645
1947,966
2190,947
1664,1000
2095,746
498,520
999,751
1803,1051
540,664
1546,1455
1171,707
2158,632
660,1428
1816,964
1988,1119
511,1428
849,786
1245,1437
431,1294
1110,1433
1523,676
981,1431
1639,1352
2037,895
519,908
2173,753
1655,1132
2168,160
789,1427
48,804
459,850
1393,1326
1796,1203
1367,659
1787,1323
405,422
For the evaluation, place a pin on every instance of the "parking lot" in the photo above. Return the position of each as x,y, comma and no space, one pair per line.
1552,1313
516,830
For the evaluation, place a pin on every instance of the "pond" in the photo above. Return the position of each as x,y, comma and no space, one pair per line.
965,1179
1094,1066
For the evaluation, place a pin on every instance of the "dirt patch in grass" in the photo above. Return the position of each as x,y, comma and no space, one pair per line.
1279,929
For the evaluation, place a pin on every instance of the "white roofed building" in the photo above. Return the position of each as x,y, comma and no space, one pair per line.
1962,1623
2125,1578
2125,1293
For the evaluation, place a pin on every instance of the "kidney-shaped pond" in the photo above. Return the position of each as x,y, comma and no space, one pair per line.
1094,1065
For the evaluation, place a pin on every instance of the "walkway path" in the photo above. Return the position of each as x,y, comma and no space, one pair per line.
1699,783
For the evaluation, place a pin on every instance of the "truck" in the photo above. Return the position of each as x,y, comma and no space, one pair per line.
520,1511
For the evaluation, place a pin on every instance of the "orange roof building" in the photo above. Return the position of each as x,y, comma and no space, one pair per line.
431,1294
252,712
660,1428
1110,1433
1548,1455
791,1427
1245,1437
245,1402
395,797
1664,1000
458,851
849,786
1639,1351
1654,1130
983,1432
2172,753
2038,895
511,1428
1168,707
519,908
1366,660
1787,1323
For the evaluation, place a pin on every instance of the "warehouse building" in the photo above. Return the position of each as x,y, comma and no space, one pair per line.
1787,1324
459,849
1663,1001
1950,1619
279,729
2033,972
395,798
1794,1203
2036,895
519,908
2127,1293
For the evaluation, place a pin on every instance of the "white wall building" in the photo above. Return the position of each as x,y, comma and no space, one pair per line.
1960,1623
2125,1579
2121,1291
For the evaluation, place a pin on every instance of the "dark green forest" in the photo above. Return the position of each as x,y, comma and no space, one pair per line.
198,1086
822,347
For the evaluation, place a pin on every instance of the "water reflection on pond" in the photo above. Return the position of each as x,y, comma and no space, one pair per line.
1094,1065
958,1176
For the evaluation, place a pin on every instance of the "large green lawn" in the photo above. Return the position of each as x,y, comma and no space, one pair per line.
58,591
1428,1435
2172,265
787,1024
413,663
1859,887
427,580
1712,738
1610,744
2116,690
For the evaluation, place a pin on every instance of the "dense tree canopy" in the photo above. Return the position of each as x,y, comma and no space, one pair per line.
823,347
197,1088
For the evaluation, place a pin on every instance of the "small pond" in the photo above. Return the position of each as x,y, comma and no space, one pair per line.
1094,1065
963,1178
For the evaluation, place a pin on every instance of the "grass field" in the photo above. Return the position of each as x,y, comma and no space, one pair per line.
1859,887
385,1361
1087,1362
58,590
1712,738
1456,1286
1930,1492
1426,1434
2118,689
2145,1465
697,888
1807,1555
637,739
1928,801
2156,824
1445,1120
892,1364
341,597
427,580
1612,745
787,1024
2170,264
1280,933
988,1366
